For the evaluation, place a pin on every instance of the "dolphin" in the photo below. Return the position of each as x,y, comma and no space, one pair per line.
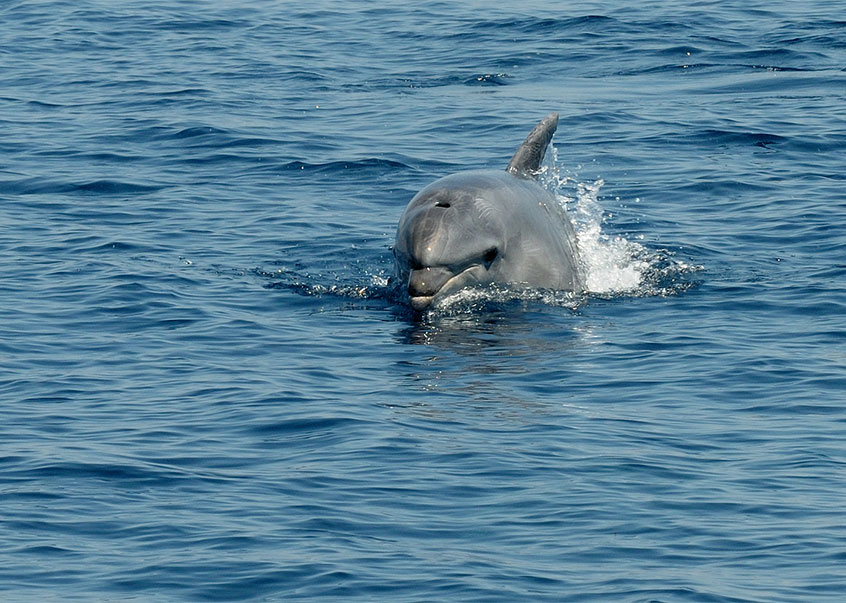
488,226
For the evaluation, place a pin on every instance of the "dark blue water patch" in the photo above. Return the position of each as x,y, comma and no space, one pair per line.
38,104
94,245
235,580
797,84
310,77
822,34
712,67
128,475
117,158
214,138
423,81
540,25
488,79
372,165
45,550
189,24
785,57
768,67
669,68
196,131
211,159
304,428
723,189
44,186
679,51
720,138
177,92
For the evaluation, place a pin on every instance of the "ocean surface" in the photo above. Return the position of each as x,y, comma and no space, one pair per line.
211,390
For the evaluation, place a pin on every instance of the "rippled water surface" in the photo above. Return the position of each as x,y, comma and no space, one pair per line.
209,389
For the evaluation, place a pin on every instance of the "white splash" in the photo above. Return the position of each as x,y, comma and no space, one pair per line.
611,264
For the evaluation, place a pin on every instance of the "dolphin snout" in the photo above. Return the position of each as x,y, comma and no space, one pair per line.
424,284
428,281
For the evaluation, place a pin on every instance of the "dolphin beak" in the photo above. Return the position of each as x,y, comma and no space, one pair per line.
421,302
425,283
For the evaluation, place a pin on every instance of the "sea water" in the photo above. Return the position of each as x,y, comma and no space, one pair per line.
210,389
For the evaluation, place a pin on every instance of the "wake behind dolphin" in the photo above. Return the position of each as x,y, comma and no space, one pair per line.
487,226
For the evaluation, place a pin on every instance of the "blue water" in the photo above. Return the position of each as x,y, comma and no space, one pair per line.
210,390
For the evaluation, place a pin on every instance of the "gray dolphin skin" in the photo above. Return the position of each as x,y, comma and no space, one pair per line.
488,226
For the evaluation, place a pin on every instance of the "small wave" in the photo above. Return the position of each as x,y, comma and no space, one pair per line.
368,165
535,25
114,187
44,104
779,68
668,68
488,79
374,286
303,428
196,131
113,247
436,81
40,186
46,550
126,473
760,139
205,25
672,67
209,137
499,297
780,56
177,92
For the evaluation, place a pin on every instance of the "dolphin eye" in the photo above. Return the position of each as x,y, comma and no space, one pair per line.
442,204
490,255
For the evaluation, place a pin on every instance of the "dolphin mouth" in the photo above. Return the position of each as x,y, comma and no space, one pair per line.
421,302
452,284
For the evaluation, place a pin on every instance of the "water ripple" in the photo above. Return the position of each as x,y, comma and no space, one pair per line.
212,390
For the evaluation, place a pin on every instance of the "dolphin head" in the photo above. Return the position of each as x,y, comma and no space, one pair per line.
487,226
448,238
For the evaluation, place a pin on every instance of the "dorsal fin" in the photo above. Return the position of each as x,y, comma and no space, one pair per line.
527,159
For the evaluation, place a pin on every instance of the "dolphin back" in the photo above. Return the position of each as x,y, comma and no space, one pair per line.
527,159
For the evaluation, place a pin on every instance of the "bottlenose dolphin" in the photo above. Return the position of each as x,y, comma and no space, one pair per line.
488,226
